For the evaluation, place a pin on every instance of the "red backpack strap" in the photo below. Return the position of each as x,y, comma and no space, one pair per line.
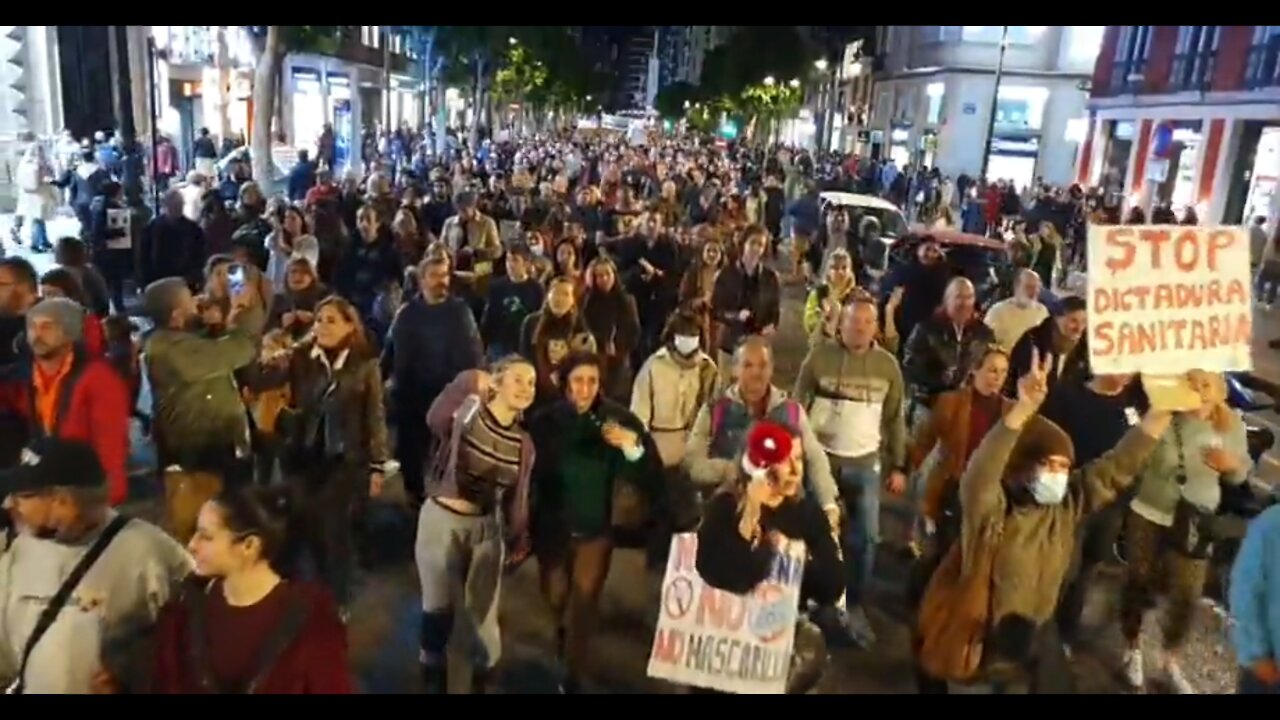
793,414
718,409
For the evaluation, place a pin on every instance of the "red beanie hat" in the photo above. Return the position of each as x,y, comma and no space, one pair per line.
768,444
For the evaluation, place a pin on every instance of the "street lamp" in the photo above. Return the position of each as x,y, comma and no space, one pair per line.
512,41
821,65
769,81
588,98
795,83
1034,30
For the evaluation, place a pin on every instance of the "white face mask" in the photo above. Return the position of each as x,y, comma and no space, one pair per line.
686,344
1049,488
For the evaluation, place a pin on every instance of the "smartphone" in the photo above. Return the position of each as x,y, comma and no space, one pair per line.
235,278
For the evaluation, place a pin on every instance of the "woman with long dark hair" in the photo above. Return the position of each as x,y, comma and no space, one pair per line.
586,445
240,627
291,239
611,316
334,436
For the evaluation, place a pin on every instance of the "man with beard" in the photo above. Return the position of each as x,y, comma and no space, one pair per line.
650,263
172,245
59,495
438,208
433,338
201,428
60,391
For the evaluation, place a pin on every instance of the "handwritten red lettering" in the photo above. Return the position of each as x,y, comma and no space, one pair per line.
685,557
1146,337
720,610
668,646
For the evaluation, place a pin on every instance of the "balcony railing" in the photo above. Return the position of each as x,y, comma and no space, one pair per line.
1192,71
1262,68
1127,76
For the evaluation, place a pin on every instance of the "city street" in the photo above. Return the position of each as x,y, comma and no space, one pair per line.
384,617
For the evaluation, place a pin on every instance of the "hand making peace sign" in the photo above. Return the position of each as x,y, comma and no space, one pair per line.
1033,387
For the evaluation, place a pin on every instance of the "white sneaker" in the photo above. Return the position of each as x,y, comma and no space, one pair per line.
1177,681
1133,669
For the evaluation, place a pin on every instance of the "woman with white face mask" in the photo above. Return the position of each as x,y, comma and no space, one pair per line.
672,385
670,389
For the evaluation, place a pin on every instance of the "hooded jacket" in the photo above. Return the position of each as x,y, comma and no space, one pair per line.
1034,543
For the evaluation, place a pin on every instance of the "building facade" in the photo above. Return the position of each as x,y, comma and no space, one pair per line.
682,48
936,88
1189,116
636,59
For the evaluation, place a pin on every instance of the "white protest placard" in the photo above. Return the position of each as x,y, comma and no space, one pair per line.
1164,299
712,639
119,221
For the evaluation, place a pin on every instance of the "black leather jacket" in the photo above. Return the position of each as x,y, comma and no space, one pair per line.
937,357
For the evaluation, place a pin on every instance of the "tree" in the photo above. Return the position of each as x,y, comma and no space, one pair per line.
270,45
674,100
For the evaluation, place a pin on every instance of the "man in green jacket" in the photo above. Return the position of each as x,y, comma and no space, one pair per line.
200,424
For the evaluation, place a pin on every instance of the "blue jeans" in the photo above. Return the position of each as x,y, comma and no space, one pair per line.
39,234
860,493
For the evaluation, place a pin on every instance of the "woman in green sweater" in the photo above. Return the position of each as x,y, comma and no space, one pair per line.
585,445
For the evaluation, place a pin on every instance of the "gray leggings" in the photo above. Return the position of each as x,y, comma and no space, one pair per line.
459,563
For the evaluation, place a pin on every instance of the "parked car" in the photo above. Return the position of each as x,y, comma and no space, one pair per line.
878,237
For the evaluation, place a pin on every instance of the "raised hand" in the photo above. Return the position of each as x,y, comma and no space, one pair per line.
1033,387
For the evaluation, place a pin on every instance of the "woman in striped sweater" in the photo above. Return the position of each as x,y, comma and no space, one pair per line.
476,517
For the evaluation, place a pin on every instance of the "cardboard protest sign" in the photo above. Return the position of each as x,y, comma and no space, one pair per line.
733,643
1164,299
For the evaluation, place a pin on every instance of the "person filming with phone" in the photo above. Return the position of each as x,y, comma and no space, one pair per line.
201,429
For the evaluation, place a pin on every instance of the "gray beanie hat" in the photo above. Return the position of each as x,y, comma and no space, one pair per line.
66,312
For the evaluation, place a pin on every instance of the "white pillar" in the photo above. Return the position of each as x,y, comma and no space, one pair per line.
1215,206
324,90
44,94
140,81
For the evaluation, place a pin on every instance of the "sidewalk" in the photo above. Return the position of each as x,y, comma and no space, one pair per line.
58,227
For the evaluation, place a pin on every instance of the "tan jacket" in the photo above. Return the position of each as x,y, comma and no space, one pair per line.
947,427
667,395
482,236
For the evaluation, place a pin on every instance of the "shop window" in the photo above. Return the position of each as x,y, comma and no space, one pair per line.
1194,56
1263,67
1021,108
935,92
371,35
1018,34
1131,57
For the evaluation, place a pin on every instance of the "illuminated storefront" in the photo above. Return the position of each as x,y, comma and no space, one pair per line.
204,79
319,90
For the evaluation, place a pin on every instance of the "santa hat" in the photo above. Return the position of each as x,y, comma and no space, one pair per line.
768,445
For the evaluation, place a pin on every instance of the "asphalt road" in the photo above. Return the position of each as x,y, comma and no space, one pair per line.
384,616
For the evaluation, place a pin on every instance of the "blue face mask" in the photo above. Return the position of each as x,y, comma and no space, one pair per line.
1049,488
